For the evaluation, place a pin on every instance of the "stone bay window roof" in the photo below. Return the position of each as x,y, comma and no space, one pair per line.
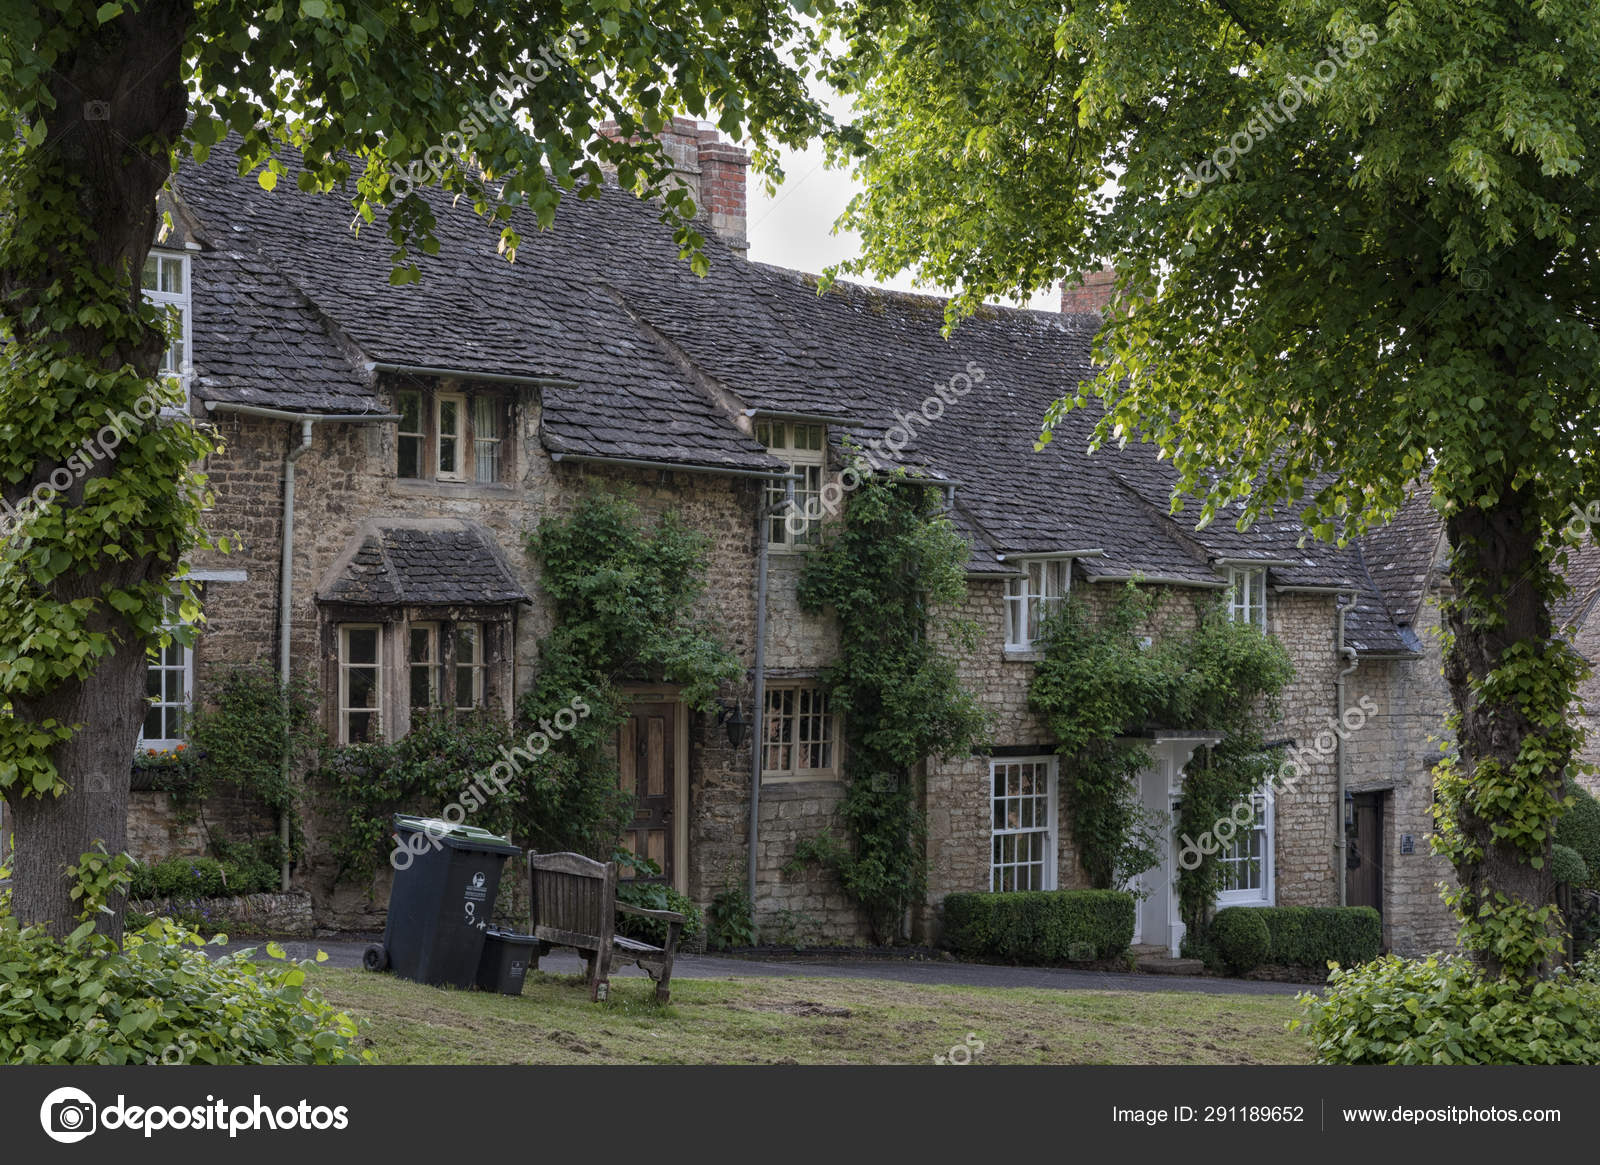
421,564
635,359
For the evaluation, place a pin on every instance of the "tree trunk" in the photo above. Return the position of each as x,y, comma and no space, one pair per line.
1502,581
85,200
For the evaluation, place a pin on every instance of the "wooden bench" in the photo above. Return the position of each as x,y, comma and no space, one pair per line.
574,904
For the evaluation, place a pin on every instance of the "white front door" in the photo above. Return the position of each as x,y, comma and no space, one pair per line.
1155,907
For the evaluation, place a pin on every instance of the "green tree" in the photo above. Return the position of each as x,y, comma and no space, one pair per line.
99,100
1354,239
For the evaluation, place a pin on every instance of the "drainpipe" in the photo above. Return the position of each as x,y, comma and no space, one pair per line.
285,597
1348,653
286,565
758,711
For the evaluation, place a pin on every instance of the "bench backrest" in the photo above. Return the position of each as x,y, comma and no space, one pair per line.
573,899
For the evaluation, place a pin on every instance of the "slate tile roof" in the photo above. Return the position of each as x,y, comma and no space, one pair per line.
643,360
425,565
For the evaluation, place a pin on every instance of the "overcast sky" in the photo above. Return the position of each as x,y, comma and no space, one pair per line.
794,227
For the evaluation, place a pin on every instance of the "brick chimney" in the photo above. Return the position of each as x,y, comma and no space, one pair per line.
713,170
1092,295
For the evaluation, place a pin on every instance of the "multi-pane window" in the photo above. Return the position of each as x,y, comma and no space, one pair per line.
803,448
412,435
1023,845
451,436
799,735
422,665
469,666
1245,867
1032,598
169,688
486,438
165,283
360,682
1247,601
449,417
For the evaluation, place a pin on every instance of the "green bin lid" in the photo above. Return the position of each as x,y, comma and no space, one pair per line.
474,836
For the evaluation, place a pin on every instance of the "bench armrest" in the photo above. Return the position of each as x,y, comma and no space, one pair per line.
663,915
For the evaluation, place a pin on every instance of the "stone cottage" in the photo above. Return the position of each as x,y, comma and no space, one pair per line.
388,448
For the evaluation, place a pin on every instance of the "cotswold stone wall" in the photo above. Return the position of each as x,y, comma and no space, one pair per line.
1393,755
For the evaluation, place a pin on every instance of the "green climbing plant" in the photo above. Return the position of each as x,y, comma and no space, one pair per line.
1103,683
893,571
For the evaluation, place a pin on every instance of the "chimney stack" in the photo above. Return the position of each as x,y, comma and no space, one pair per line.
1092,295
713,170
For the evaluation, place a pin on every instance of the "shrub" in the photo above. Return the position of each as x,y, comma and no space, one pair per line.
730,921
1567,866
1314,936
1040,925
187,877
1241,938
1441,1011
655,896
156,998
1579,829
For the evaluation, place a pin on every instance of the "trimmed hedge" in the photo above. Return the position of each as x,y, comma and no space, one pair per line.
1040,925
1311,936
1241,938
1579,828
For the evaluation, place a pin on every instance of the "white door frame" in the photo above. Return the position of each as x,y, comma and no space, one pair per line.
1156,917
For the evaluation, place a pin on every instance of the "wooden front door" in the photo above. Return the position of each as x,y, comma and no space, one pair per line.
647,769
1363,867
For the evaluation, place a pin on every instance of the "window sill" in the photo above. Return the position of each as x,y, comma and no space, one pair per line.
768,780
1022,655
423,485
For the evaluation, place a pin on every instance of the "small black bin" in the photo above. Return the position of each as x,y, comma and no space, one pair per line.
443,895
505,961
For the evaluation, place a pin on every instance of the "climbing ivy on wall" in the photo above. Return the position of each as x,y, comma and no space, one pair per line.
893,571
622,595
1100,683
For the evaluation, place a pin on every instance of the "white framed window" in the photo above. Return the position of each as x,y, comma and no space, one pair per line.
1032,598
800,734
1245,866
803,447
449,417
469,666
423,666
413,437
360,682
486,438
1247,598
169,690
165,283
1022,796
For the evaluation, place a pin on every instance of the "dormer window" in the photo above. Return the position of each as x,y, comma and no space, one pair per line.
452,436
1247,597
165,284
1033,598
803,447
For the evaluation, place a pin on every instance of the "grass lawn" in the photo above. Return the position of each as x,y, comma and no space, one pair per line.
809,1021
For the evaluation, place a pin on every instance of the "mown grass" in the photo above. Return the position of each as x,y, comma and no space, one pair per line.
809,1021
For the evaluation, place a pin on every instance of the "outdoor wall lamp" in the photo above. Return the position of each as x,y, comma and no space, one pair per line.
1349,808
733,720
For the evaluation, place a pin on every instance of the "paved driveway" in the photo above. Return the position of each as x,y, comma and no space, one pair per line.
347,953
